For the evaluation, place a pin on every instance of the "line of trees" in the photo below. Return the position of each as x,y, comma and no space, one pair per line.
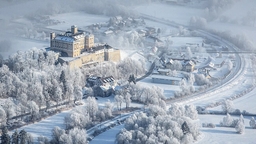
238,124
21,137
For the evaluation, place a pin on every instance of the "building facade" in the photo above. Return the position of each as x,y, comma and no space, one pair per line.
72,43
78,49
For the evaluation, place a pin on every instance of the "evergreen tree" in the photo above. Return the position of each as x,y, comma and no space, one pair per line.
15,137
185,127
63,81
5,138
23,137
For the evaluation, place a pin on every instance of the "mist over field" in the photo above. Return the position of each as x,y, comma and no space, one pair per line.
214,14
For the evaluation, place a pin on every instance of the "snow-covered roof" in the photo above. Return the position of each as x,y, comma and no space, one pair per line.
170,61
190,63
211,64
163,70
166,77
67,59
108,32
64,38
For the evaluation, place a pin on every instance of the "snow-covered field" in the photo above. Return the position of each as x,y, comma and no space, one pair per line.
186,41
224,135
81,19
246,102
107,137
44,127
179,14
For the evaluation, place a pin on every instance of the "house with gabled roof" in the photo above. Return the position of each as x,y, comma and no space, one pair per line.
169,64
189,66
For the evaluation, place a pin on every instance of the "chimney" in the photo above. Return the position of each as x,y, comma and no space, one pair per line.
73,29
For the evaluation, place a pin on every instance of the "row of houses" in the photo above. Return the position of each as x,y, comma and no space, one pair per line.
186,64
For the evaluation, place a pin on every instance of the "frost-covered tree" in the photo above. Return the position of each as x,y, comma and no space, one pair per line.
5,138
240,127
119,100
34,110
56,134
155,110
65,139
108,109
77,93
191,112
77,118
15,137
127,100
78,136
57,95
227,121
43,140
3,118
227,106
92,106
252,123
124,137
176,65
201,80
23,137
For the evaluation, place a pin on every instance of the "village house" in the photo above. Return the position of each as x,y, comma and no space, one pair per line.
189,66
169,64
103,87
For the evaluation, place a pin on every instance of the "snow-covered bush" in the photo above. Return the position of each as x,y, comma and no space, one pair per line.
209,125
240,128
252,123
228,121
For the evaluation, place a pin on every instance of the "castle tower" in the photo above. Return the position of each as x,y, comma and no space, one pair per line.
74,29
89,41
52,35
